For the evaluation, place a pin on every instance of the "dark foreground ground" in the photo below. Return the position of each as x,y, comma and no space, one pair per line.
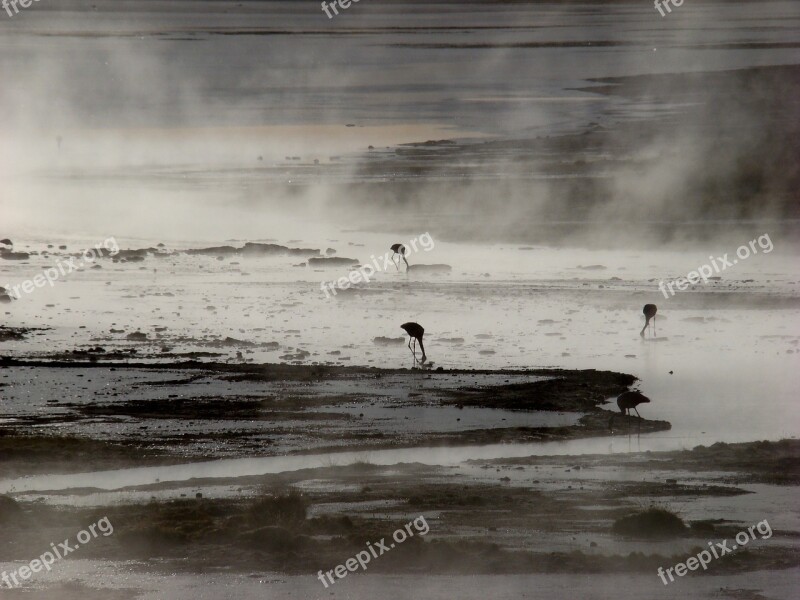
115,415
540,515
506,516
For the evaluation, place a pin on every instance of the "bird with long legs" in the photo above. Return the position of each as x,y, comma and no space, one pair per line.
401,250
626,402
415,333
649,311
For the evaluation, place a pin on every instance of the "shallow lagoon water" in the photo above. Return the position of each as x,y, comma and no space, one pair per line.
732,346
717,372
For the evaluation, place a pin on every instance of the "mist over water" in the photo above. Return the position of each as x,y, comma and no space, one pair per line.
215,114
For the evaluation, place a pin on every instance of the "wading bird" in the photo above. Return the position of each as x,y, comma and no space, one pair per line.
415,333
649,311
628,401
401,250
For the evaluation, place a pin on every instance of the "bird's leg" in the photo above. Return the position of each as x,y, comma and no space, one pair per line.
412,351
395,263
637,413
403,256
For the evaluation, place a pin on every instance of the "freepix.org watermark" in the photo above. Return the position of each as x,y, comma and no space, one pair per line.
63,268
365,272
361,559
56,552
9,4
666,4
720,263
717,550
343,4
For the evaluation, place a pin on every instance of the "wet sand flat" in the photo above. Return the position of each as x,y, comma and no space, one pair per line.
203,410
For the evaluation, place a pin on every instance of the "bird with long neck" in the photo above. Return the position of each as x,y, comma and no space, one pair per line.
649,311
401,250
415,333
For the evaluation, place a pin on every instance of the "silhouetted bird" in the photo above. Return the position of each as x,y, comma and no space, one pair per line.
415,333
401,250
628,401
649,311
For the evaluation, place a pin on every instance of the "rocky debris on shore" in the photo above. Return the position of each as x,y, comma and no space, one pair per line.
651,523
133,255
231,342
8,334
253,249
298,355
334,261
11,255
387,341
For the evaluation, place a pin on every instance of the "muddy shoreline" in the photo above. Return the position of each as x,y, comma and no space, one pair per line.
191,411
301,521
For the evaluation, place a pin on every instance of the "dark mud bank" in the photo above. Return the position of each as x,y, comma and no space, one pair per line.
195,411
